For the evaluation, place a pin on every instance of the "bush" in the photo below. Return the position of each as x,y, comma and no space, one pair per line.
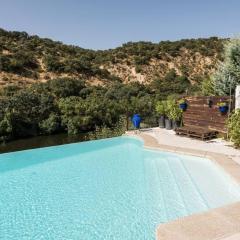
105,132
173,111
207,87
161,108
141,60
5,126
50,125
234,128
138,68
64,87
24,110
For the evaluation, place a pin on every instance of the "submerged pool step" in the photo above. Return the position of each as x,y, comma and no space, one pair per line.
174,204
155,198
164,190
192,198
172,188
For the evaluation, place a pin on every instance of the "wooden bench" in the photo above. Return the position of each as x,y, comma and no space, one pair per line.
197,132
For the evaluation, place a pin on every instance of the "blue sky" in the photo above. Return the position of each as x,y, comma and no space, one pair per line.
103,24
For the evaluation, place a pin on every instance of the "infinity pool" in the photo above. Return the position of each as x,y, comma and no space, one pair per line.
110,189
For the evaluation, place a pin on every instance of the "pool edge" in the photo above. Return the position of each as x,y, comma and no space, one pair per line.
219,223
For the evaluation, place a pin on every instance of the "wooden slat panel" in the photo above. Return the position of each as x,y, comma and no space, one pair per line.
202,119
200,114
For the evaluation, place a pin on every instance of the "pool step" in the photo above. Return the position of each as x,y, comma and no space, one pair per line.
191,196
172,189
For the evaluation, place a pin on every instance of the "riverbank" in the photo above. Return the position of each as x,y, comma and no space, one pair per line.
41,141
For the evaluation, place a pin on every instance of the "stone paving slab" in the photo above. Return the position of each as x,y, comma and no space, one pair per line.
220,223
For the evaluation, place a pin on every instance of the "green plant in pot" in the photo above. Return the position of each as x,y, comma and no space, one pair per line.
168,120
174,113
161,111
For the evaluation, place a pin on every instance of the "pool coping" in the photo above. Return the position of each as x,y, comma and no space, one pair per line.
217,224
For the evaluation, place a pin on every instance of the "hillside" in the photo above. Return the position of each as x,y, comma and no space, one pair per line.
26,59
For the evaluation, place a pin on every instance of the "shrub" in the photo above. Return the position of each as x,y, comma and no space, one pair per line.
141,60
173,111
50,125
207,87
161,108
65,87
234,127
106,132
5,126
138,68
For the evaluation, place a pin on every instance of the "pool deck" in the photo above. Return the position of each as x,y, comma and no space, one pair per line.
217,224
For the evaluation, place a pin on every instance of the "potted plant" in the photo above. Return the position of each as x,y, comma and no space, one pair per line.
160,109
182,104
223,107
175,114
168,121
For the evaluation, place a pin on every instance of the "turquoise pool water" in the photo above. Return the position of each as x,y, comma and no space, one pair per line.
110,189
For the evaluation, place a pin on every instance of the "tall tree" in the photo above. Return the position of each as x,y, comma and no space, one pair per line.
228,74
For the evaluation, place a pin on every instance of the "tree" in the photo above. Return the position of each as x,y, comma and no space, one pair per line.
228,74
86,114
207,87
65,87
26,110
171,83
73,111
234,127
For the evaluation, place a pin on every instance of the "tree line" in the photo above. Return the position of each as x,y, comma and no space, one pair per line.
73,106
69,105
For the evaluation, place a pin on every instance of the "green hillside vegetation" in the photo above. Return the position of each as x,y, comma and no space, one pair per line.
31,56
25,52
62,96
70,105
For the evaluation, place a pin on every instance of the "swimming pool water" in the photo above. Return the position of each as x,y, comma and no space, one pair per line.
110,189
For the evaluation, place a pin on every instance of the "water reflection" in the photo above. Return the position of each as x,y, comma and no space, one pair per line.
41,141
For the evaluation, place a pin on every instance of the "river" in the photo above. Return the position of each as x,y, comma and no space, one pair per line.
40,141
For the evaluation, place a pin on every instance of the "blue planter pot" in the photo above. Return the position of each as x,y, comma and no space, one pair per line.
183,106
136,120
223,109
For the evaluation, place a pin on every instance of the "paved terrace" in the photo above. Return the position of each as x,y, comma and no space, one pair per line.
217,224
166,137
